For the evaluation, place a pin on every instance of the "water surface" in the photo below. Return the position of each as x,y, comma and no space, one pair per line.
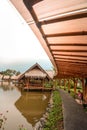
21,108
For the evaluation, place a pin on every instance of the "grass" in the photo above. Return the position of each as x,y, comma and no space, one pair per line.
55,116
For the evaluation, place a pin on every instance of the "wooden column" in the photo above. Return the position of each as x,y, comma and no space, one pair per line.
86,89
59,82
27,83
64,84
75,85
69,86
83,87
43,84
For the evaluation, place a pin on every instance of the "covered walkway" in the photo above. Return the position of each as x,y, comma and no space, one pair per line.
60,26
75,118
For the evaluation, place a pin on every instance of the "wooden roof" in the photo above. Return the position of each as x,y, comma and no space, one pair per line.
61,27
35,71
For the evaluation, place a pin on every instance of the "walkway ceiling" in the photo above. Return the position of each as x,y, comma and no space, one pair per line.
61,27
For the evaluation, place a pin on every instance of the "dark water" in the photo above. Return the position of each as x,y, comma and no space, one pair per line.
21,108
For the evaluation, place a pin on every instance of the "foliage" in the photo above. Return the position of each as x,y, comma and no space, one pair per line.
10,72
56,82
51,83
48,84
55,114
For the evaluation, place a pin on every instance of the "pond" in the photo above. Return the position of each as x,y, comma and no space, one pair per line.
20,108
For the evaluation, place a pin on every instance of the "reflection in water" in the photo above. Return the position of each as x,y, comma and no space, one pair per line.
23,107
32,105
6,86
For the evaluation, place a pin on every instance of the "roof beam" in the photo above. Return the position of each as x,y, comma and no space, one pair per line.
66,63
69,73
68,50
65,16
71,61
72,55
31,2
67,34
67,44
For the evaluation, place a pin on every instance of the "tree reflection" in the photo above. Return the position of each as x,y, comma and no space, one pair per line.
6,86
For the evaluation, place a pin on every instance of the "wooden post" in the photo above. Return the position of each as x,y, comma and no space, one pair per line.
86,89
68,86
59,83
64,84
27,82
75,85
43,84
83,87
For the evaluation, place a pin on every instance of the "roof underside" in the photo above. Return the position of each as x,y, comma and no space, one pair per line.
61,27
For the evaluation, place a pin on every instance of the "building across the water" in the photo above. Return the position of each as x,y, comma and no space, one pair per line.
35,77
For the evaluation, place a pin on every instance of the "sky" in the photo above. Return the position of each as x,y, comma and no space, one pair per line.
19,47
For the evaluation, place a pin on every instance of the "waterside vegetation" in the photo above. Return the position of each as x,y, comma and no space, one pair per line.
55,118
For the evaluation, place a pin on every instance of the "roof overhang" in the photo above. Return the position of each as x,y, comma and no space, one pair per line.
61,29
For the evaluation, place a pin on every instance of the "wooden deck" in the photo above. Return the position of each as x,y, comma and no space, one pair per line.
37,88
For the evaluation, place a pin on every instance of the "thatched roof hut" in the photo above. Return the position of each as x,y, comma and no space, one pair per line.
35,76
36,71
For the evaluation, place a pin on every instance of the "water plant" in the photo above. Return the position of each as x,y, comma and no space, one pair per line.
21,127
3,119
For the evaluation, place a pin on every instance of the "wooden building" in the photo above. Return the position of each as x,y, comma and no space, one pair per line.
34,77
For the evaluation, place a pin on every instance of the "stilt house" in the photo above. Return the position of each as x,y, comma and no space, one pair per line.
34,77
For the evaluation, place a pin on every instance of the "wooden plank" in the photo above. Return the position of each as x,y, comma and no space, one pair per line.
56,50
71,58
72,27
71,55
67,44
73,61
65,17
79,33
68,39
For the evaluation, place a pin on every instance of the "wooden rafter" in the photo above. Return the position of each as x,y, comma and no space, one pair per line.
67,44
71,55
66,17
67,34
68,50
